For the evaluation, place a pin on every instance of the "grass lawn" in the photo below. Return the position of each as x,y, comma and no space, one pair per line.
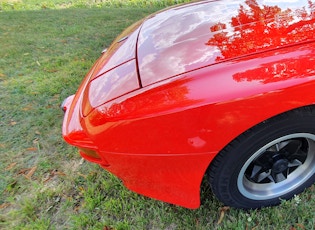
45,50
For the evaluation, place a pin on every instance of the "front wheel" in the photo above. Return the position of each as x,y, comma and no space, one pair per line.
274,160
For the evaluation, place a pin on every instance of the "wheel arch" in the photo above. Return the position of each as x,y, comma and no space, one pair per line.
219,158
309,108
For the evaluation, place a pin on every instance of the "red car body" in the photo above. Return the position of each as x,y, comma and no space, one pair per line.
177,87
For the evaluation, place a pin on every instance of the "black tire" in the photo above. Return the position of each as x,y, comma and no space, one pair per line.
274,160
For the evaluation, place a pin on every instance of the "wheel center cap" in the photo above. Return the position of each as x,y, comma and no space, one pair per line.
280,166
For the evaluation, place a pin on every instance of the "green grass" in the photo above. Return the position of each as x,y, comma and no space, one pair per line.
8,5
45,50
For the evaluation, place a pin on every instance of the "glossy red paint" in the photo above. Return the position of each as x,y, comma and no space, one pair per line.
186,38
199,76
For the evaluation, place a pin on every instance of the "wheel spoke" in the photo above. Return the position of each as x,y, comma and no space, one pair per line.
256,170
271,178
262,176
294,163
300,156
259,174
278,177
291,148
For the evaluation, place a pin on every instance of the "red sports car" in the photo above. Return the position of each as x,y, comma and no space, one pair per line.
219,88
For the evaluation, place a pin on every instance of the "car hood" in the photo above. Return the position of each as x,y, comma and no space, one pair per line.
189,37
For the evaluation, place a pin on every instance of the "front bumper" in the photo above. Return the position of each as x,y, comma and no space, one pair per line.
171,178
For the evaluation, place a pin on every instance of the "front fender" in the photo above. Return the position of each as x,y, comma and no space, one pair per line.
159,140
